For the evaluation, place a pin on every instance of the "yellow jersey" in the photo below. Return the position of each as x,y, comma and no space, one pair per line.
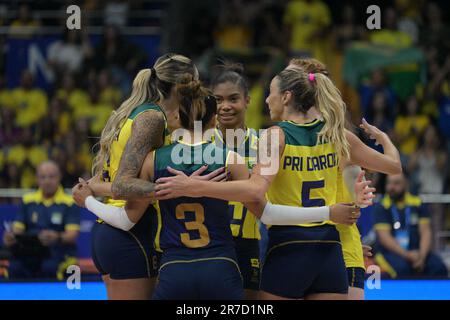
111,165
349,235
243,223
308,171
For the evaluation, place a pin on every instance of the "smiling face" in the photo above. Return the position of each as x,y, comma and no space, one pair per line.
231,105
275,100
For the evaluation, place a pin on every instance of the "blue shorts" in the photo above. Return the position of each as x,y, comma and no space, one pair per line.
302,261
126,254
356,277
199,274
247,252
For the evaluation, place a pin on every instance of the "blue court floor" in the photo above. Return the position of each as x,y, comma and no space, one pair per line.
389,290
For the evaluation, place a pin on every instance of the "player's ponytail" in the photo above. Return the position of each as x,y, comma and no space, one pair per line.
196,103
149,86
330,104
141,92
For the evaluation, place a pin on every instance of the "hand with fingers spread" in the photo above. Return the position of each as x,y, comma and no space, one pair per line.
80,192
373,132
216,175
181,185
344,213
363,193
178,185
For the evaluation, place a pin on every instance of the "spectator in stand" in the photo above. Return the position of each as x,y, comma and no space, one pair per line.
95,111
67,55
9,132
410,126
25,26
6,100
49,216
12,175
109,93
27,153
409,15
75,97
434,31
404,237
379,113
233,30
307,23
268,25
378,83
430,162
116,52
30,103
390,35
347,31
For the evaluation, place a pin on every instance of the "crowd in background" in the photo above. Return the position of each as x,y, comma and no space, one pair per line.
411,102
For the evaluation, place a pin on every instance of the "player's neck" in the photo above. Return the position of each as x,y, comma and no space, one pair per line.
193,138
169,105
299,117
223,129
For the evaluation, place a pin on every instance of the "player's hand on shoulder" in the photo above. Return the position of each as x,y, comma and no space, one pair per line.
216,175
178,185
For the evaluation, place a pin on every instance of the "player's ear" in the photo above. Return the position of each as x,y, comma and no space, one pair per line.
286,97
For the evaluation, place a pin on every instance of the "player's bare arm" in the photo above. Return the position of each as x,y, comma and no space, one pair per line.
147,135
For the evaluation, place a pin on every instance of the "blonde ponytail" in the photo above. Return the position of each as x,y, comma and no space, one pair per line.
149,86
332,107
141,93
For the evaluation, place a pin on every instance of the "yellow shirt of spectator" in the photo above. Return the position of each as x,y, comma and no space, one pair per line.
18,154
409,130
254,117
76,99
30,106
6,99
233,37
110,96
305,18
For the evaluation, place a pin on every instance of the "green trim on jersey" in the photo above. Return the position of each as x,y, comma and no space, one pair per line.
301,134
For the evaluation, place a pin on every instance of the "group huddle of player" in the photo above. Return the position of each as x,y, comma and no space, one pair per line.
174,225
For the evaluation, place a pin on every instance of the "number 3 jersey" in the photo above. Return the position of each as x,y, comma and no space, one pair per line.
308,171
192,222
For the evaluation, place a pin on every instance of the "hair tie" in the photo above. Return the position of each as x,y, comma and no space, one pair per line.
152,73
311,77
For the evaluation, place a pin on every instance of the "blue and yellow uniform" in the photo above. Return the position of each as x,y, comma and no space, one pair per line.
307,258
199,259
402,219
351,241
244,224
126,254
35,214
